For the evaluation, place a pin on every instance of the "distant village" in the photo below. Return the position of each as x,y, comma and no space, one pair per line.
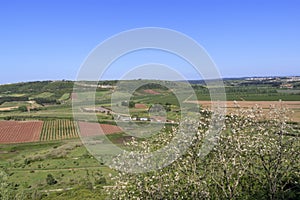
285,82
126,118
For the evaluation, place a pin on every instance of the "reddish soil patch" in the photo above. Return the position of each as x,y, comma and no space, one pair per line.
20,132
74,96
140,106
94,129
149,91
159,118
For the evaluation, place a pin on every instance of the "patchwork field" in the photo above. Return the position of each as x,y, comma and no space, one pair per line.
42,141
52,130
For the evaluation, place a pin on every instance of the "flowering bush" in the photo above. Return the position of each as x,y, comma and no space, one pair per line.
256,157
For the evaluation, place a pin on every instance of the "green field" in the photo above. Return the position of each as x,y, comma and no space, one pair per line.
27,166
78,175
43,95
14,104
65,97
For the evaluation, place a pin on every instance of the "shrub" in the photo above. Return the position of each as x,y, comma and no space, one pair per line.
22,108
50,180
99,178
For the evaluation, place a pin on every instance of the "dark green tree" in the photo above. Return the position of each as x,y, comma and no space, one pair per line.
22,108
50,180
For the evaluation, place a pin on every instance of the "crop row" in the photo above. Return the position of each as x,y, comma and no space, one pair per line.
59,130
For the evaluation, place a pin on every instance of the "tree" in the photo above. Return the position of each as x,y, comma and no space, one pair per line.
22,108
50,180
124,103
277,155
99,178
257,157
131,104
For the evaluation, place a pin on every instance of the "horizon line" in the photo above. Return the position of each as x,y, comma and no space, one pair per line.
233,77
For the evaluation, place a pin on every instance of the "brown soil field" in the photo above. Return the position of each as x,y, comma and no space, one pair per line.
74,96
140,106
149,91
8,108
94,129
20,132
230,105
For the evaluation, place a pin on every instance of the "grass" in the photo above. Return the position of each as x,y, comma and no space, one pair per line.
14,95
64,97
288,91
252,97
14,104
91,95
156,99
71,170
43,95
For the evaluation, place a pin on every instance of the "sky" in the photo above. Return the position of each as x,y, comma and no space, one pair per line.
50,39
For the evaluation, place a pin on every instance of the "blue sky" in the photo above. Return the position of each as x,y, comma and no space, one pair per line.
49,39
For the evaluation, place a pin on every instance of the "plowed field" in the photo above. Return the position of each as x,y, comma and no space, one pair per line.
94,129
20,132
265,105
